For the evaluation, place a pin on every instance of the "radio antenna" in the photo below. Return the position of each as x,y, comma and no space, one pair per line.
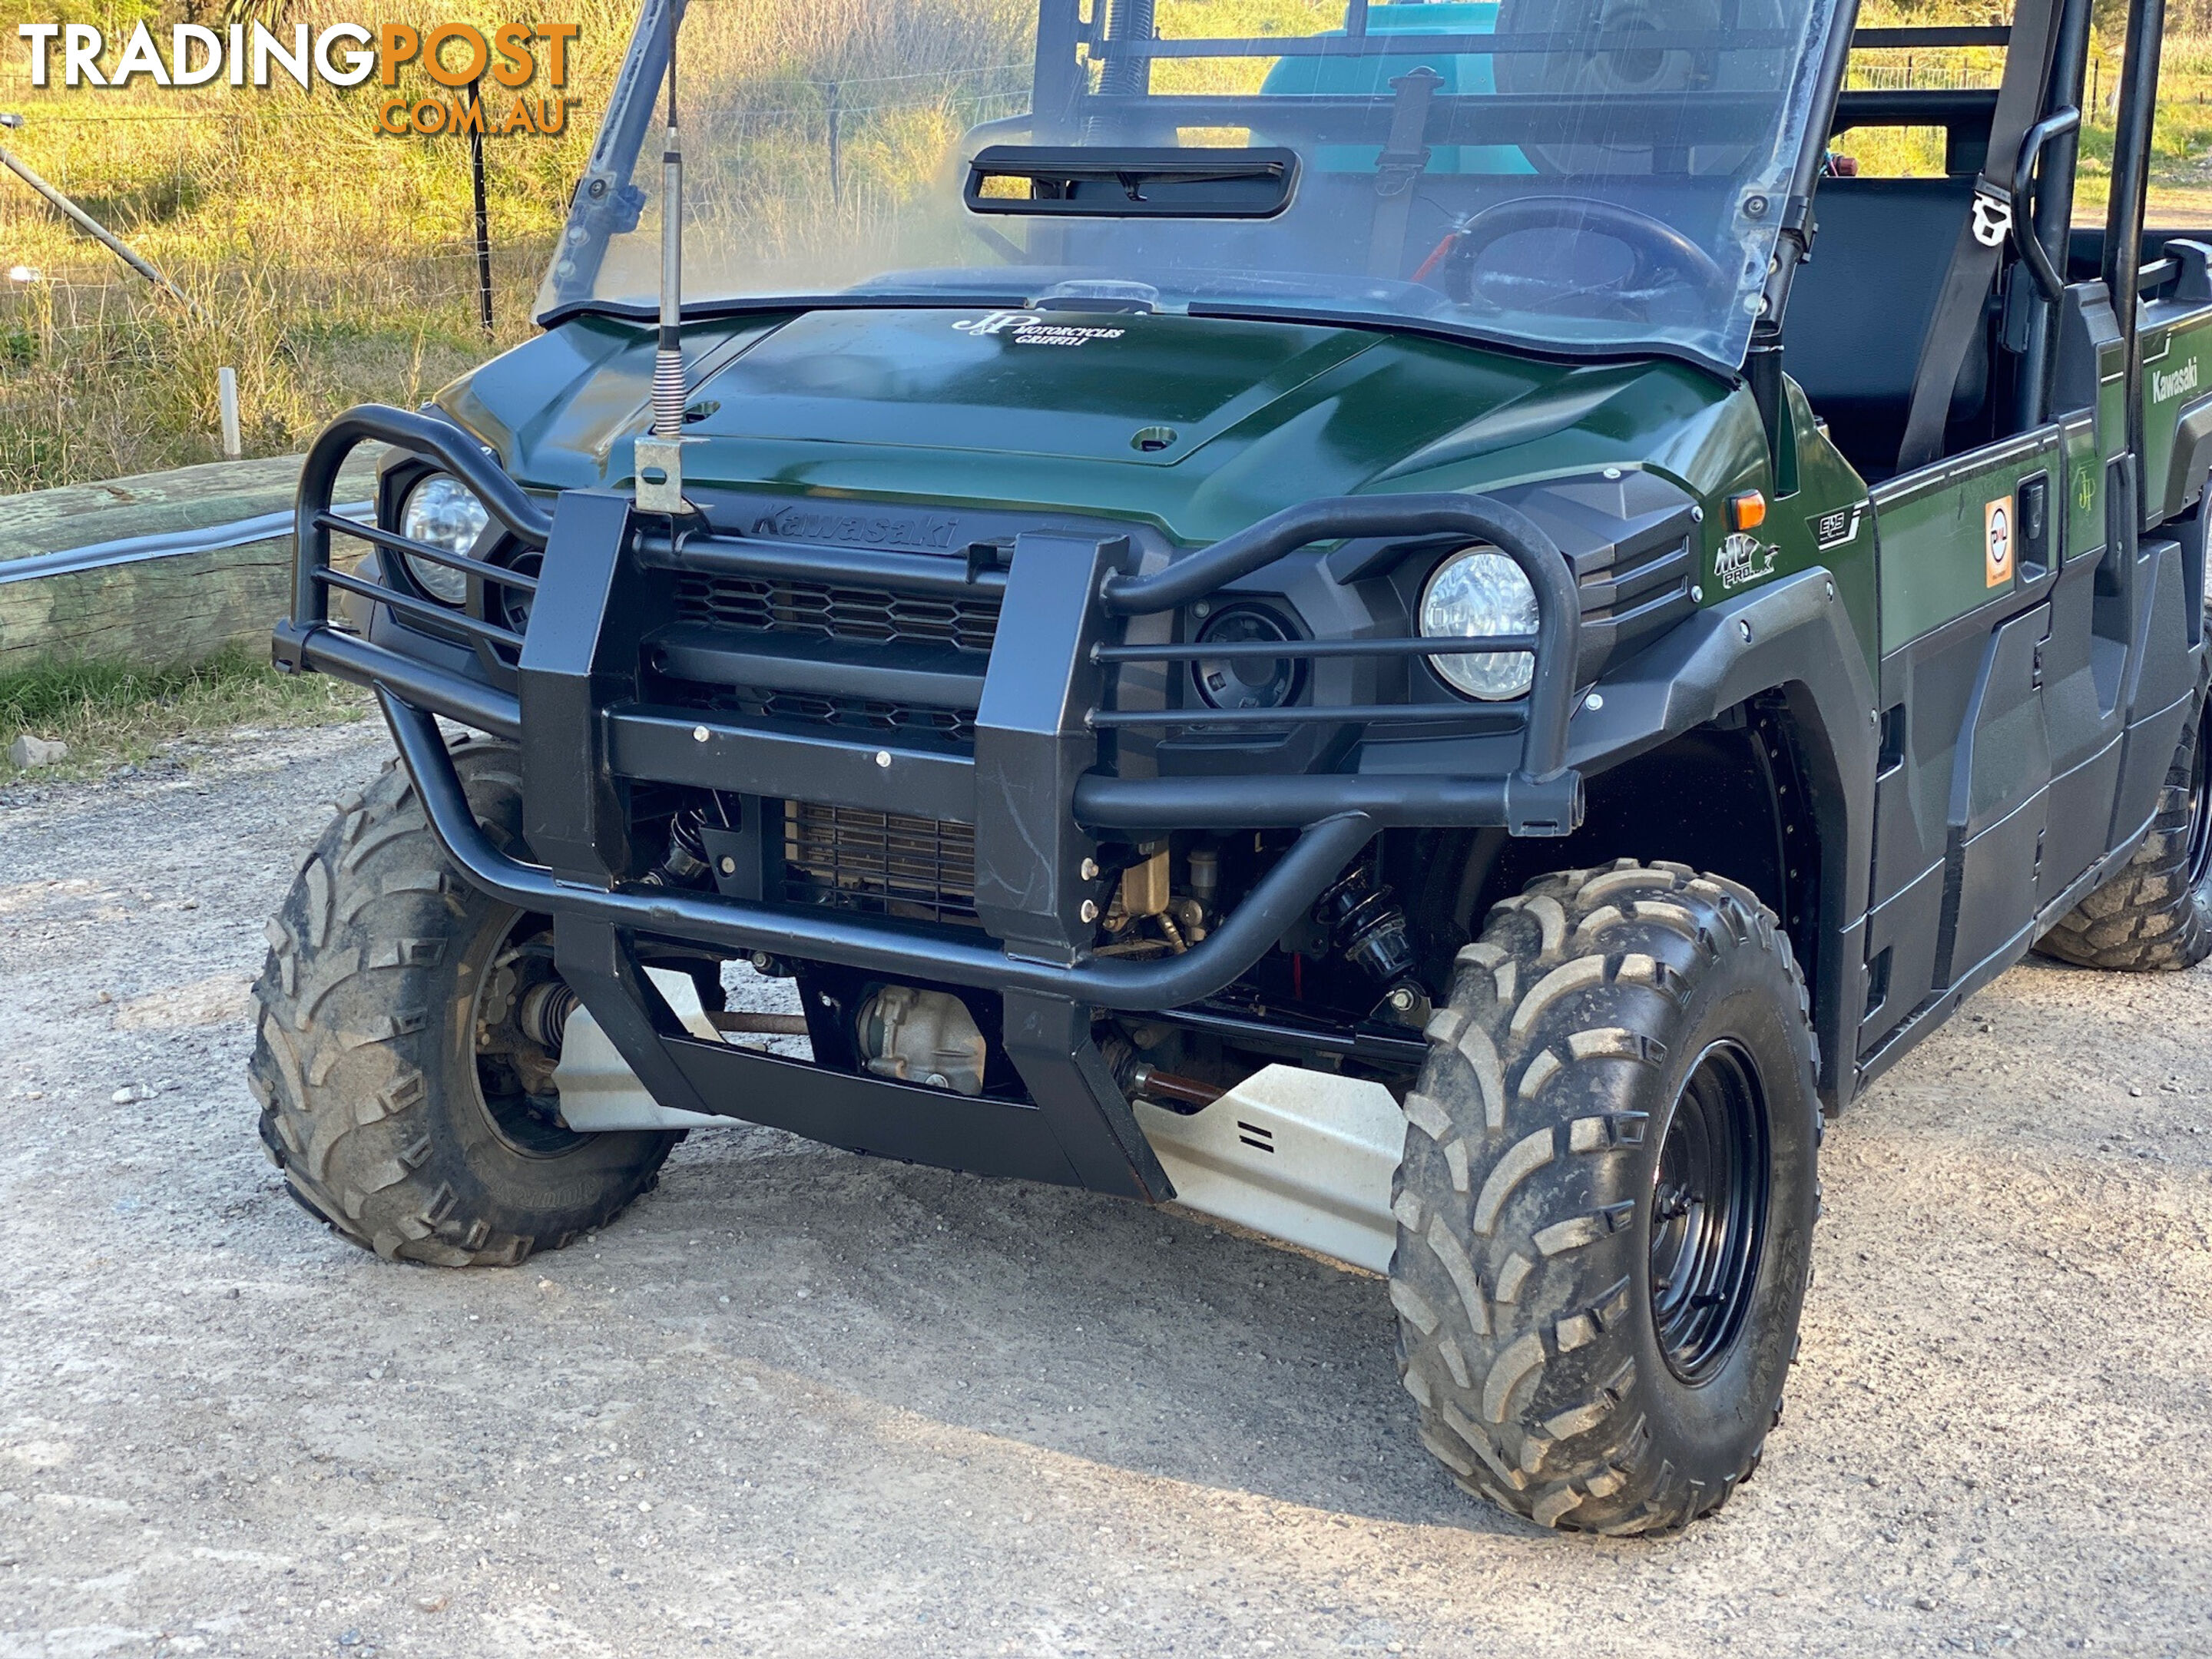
668,362
660,456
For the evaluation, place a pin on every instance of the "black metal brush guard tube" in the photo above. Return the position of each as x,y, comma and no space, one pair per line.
1284,895
1034,790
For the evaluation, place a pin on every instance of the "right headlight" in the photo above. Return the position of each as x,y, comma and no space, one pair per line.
444,512
1473,595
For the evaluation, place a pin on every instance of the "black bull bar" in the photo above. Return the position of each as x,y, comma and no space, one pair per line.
1033,791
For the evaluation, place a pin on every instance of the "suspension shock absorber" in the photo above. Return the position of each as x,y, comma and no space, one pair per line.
1368,929
686,864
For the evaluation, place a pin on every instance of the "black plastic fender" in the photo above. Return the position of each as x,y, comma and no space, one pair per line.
1793,636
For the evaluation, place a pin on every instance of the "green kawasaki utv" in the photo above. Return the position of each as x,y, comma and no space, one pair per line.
1432,638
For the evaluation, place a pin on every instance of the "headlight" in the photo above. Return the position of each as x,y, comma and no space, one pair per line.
1471,595
443,512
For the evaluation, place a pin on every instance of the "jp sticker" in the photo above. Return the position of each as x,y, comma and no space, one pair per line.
1996,542
1743,559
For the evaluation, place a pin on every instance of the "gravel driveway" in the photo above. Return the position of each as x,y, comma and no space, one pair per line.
797,1403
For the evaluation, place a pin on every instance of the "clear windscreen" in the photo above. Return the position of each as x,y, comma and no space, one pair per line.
1587,176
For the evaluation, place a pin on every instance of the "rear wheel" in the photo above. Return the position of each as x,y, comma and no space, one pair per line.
1606,1203
2156,912
410,1027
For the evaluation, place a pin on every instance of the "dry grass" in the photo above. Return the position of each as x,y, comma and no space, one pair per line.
333,264
110,714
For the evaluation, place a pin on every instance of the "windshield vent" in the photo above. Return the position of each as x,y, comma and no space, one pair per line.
764,605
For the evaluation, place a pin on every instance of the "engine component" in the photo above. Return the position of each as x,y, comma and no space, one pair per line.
1205,878
543,1014
1144,885
1368,929
1178,1094
922,1037
745,1021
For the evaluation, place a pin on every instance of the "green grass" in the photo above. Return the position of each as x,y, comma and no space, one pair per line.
111,714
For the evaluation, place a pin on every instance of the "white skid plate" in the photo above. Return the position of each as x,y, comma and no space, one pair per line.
1304,1157
598,1091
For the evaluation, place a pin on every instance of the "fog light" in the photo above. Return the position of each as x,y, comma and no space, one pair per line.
1243,682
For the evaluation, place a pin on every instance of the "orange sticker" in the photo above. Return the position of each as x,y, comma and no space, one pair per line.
1996,542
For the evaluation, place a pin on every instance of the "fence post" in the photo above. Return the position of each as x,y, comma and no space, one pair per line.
226,398
836,168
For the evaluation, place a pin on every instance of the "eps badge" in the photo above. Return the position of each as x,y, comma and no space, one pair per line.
1997,541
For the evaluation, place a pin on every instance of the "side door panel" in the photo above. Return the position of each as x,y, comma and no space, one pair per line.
2085,658
1962,793
2000,791
2084,718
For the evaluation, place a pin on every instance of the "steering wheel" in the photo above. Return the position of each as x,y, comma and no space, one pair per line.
1665,261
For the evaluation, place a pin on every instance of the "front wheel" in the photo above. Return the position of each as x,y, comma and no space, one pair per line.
409,1028
1606,1199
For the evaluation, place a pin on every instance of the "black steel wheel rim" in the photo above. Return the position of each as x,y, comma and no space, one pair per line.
2200,804
514,1063
1709,1211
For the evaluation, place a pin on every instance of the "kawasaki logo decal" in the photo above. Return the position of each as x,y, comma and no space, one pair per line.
800,524
2164,386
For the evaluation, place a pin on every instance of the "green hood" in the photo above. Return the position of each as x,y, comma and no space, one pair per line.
1198,425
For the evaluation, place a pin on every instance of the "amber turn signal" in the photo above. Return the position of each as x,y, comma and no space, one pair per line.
1747,511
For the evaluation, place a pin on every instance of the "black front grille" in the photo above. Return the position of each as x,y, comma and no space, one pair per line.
881,864
763,604
864,716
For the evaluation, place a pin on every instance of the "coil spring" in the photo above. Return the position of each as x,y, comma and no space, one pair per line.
668,394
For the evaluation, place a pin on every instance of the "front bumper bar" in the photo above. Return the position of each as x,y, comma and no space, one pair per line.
1039,789
1286,894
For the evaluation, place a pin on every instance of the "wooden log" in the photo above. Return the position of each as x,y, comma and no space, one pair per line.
155,612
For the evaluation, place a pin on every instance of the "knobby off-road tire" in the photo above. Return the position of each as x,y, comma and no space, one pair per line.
2156,911
387,1063
1600,1012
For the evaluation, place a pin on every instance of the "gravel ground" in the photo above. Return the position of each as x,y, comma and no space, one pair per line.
796,1402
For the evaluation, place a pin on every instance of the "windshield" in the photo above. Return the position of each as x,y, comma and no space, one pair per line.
1591,177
